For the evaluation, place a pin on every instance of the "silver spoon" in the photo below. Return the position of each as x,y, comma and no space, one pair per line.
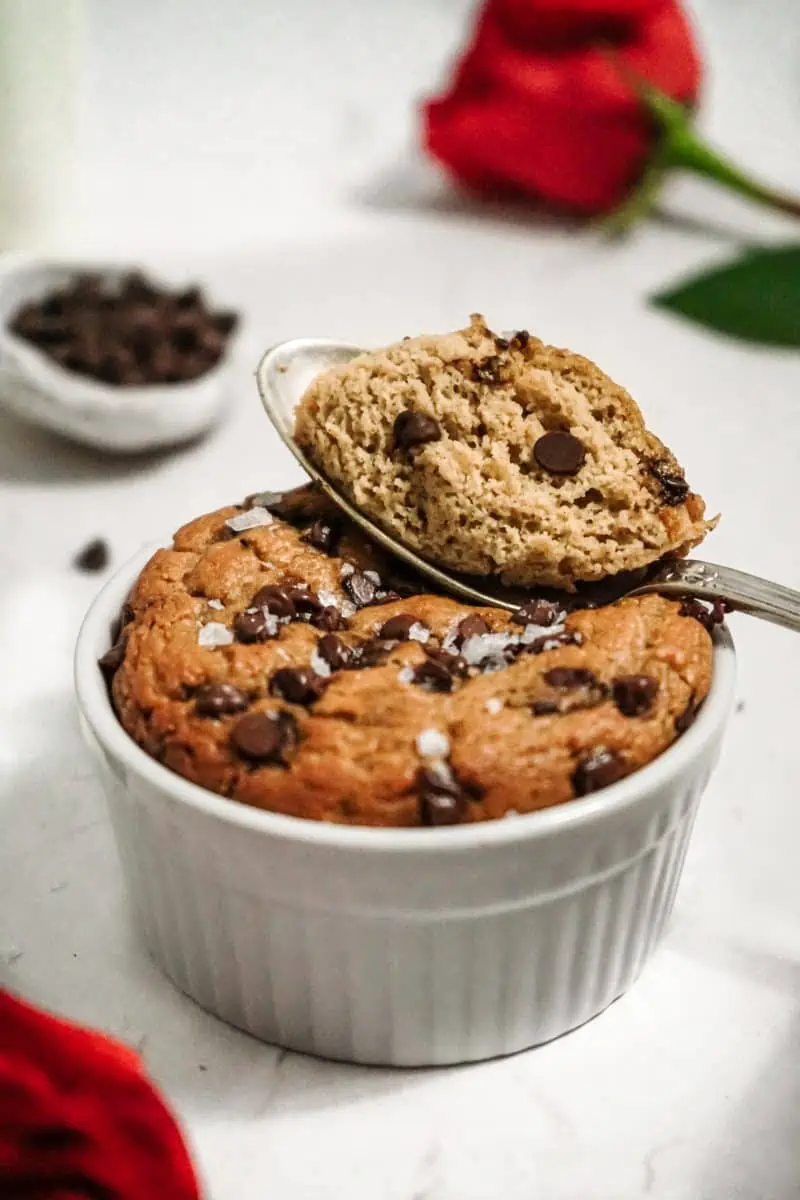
286,371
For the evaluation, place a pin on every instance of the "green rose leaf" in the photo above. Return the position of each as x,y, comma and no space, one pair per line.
755,297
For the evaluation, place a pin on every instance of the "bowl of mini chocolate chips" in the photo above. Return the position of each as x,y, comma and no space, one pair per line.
111,357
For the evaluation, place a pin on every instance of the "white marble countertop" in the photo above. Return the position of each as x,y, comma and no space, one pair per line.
689,1087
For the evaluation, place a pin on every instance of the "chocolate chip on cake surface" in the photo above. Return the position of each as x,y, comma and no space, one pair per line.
94,556
255,625
471,626
521,338
707,616
414,429
634,694
360,588
559,453
433,675
297,685
598,769
687,718
323,535
304,599
111,661
455,663
487,371
373,654
537,612
219,699
544,708
263,737
674,488
277,600
328,618
336,653
570,677
441,799
399,627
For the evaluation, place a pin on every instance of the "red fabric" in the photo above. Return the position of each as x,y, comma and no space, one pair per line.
78,1118
538,104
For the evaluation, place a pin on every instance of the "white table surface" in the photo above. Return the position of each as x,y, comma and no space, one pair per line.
689,1087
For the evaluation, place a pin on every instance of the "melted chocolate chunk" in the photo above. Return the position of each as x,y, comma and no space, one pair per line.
328,617
336,653
471,626
537,612
598,769
565,678
276,600
111,661
674,488
297,685
219,699
433,675
250,627
413,429
399,627
544,708
360,588
634,694
323,535
441,799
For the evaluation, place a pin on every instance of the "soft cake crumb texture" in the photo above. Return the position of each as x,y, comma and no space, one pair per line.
475,500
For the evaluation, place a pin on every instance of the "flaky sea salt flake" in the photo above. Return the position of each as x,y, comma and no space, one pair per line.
319,666
252,519
406,675
214,633
432,743
419,633
217,604
494,705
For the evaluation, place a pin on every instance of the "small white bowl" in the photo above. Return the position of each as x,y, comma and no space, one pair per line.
405,947
122,420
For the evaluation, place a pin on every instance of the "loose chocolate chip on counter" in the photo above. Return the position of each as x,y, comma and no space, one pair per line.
708,617
634,694
256,626
544,708
297,685
277,600
111,661
336,653
94,556
599,769
674,488
219,699
360,588
471,626
323,535
328,617
398,628
263,738
487,371
537,612
414,429
687,717
441,800
565,678
559,452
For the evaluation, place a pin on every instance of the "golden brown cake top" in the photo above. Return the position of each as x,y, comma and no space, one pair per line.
499,456
276,657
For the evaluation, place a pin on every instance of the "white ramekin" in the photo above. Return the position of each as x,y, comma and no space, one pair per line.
121,420
405,947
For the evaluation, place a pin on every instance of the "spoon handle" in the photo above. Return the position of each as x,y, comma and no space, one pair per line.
744,593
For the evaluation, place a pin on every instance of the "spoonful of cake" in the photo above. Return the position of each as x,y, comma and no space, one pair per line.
495,465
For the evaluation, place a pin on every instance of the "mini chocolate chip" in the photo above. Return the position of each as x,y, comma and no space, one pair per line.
634,694
564,678
471,626
328,617
441,800
277,600
414,429
598,769
559,452
323,535
674,488
536,612
487,371
433,676
297,685
253,627
111,661
687,717
261,737
360,588
398,628
544,708
336,653
218,699
708,617
93,557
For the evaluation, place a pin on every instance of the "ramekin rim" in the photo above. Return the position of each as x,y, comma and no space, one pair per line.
95,705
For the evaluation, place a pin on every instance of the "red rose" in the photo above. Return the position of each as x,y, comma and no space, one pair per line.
541,104
78,1118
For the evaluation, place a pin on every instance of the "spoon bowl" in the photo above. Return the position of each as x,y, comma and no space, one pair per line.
284,374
